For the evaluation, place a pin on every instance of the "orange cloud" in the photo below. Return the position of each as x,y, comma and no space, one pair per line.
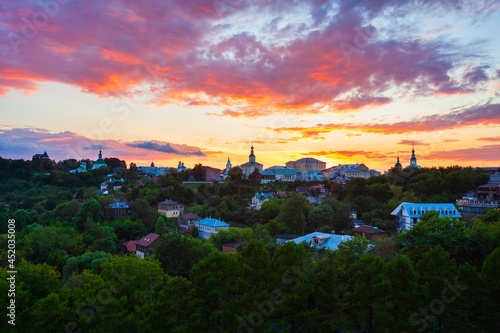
118,57
349,154
488,114
491,139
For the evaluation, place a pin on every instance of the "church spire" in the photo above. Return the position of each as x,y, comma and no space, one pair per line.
413,160
398,164
251,158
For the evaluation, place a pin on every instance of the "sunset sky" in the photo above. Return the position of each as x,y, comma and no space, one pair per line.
200,81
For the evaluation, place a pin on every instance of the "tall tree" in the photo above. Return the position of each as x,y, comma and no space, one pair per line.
235,173
453,235
197,172
294,212
369,290
342,219
90,209
178,254
434,270
319,217
404,296
490,273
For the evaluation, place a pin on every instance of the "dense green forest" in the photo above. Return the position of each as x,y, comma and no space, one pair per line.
441,276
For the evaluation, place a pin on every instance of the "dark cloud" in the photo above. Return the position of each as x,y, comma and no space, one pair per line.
164,148
476,75
25,142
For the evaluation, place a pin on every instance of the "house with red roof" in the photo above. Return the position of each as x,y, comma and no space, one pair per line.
128,247
146,245
188,220
369,232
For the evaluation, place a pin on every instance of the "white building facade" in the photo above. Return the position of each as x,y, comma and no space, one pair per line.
208,227
408,214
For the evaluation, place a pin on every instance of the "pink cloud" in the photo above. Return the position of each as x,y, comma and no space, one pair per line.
183,50
25,142
488,153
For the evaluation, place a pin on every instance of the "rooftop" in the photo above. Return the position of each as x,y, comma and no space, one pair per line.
191,216
250,163
212,222
41,155
283,236
148,240
118,205
416,210
130,245
332,241
490,185
277,167
367,229
168,202
264,196
345,166
307,160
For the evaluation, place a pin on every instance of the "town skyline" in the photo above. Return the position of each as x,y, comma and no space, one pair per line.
145,163
197,82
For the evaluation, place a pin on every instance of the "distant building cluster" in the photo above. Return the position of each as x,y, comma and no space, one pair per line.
99,163
305,169
413,161
485,197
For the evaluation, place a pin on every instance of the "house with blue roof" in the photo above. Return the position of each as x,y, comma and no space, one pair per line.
408,214
209,226
258,199
321,240
310,175
283,173
266,176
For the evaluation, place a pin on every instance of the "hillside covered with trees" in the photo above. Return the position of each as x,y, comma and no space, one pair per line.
440,276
